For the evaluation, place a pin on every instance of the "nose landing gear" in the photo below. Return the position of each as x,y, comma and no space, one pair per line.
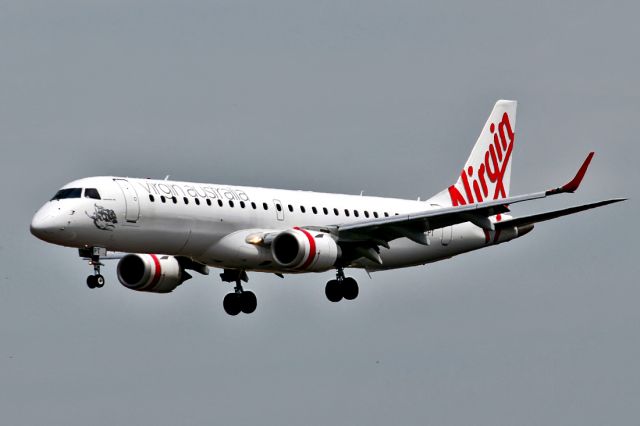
341,288
96,280
93,255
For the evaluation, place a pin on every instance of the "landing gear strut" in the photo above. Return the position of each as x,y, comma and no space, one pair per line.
240,300
96,280
341,287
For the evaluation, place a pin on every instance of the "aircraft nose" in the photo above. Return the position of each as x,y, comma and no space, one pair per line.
53,224
42,223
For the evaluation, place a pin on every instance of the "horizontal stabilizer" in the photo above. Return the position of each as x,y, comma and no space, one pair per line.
541,217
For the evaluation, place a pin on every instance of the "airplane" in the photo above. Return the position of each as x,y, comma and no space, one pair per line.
160,229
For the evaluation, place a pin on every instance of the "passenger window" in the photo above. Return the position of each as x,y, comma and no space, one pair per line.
290,208
151,198
220,203
366,213
242,204
253,205
375,214
278,207
346,212
230,203
356,214
265,206
91,193
314,210
386,214
325,211
162,198
175,200
197,201
302,209
336,212
208,202
186,200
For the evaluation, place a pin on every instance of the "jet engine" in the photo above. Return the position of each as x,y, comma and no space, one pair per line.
303,250
151,272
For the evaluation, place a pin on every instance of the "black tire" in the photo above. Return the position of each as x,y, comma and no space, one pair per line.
350,288
248,302
231,304
91,281
333,291
99,280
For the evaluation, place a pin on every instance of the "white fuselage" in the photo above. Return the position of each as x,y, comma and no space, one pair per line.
210,222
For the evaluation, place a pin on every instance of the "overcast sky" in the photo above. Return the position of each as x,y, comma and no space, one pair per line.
384,97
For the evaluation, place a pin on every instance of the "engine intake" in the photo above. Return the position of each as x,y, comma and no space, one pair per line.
299,249
151,272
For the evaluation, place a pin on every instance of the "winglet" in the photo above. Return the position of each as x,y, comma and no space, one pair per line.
573,185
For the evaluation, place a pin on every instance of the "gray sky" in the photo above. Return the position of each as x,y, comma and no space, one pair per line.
385,97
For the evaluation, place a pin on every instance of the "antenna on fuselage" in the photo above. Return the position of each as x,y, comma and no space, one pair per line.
167,177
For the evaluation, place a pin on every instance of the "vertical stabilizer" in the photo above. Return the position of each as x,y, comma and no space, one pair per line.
487,173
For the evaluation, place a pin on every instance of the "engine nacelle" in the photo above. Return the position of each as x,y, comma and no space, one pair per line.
150,272
299,249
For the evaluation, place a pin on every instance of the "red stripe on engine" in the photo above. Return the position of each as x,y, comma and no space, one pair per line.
312,247
157,272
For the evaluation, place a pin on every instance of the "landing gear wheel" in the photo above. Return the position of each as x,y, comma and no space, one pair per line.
231,304
248,302
239,300
91,281
99,280
350,288
333,291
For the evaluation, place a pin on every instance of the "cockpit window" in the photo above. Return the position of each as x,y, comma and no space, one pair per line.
91,193
67,193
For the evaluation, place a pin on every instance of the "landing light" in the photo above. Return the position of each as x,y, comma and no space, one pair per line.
255,239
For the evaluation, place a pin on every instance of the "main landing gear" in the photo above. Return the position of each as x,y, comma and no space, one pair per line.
96,280
240,300
341,287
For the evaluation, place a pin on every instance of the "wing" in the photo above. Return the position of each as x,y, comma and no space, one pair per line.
364,238
541,217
